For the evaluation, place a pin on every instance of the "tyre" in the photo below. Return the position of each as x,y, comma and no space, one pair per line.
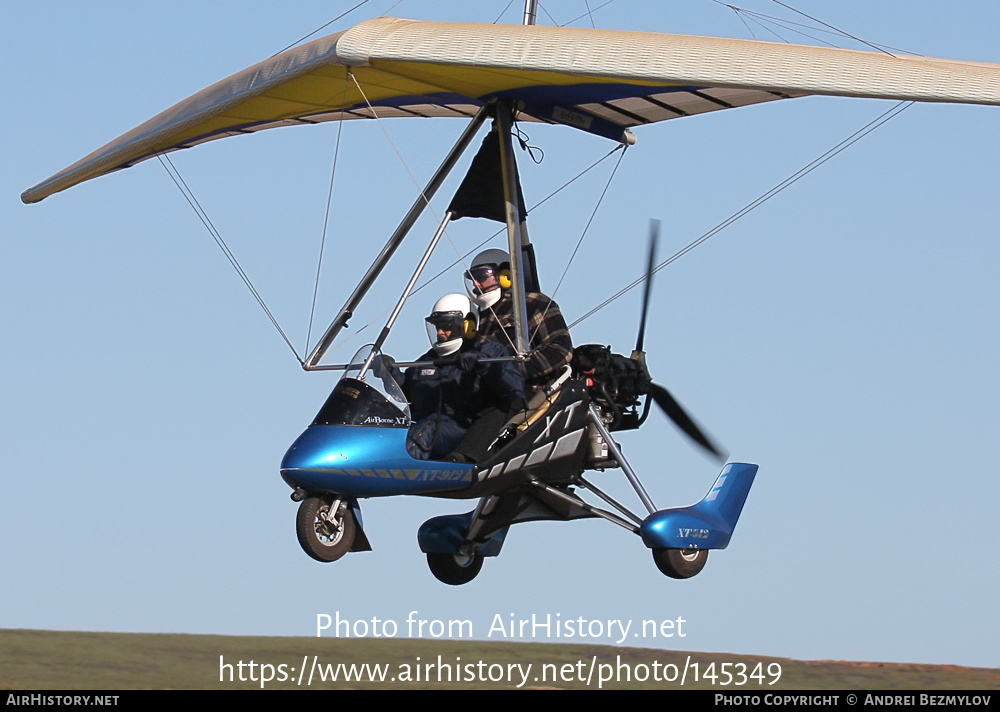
322,536
680,563
454,569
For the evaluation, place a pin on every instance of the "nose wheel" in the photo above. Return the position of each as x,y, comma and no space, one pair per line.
325,527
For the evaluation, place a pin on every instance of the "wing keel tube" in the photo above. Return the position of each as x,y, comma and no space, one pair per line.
708,524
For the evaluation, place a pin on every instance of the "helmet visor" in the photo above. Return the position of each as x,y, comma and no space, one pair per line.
483,277
445,326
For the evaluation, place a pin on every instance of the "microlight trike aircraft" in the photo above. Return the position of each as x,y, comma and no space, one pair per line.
606,83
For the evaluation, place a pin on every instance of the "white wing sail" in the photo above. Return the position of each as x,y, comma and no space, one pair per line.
601,81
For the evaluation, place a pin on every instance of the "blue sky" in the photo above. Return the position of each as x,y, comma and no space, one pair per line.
842,336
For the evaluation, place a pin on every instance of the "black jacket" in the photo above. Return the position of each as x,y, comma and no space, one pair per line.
446,400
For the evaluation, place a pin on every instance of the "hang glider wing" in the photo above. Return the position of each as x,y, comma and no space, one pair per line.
601,81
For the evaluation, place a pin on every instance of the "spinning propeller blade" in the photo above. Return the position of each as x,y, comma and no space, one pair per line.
654,236
673,410
660,395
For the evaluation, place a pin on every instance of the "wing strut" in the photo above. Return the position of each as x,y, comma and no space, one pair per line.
312,362
517,235
515,238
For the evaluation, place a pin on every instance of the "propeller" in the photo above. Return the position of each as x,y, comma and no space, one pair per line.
660,395
654,238
673,410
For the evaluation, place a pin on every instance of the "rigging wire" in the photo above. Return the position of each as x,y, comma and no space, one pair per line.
772,31
589,221
760,18
188,194
203,216
406,165
392,7
589,12
321,27
742,19
326,223
423,195
579,242
548,14
502,12
541,202
392,143
846,34
801,173
620,147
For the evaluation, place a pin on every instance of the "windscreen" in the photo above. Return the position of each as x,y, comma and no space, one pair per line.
371,398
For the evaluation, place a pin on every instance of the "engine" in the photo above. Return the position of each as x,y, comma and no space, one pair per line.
616,384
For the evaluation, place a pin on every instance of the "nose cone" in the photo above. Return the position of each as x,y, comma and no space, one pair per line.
361,461
326,447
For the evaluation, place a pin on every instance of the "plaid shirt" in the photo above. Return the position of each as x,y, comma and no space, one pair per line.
549,342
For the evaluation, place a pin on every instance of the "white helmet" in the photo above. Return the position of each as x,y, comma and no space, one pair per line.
488,263
453,319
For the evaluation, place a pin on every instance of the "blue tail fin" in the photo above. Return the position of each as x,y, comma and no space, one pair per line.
708,524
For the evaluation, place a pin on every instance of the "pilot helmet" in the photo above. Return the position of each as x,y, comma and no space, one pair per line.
454,318
488,263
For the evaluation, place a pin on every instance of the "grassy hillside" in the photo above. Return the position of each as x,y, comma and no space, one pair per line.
31,659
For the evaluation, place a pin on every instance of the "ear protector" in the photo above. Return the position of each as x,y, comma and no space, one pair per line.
503,277
469,327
